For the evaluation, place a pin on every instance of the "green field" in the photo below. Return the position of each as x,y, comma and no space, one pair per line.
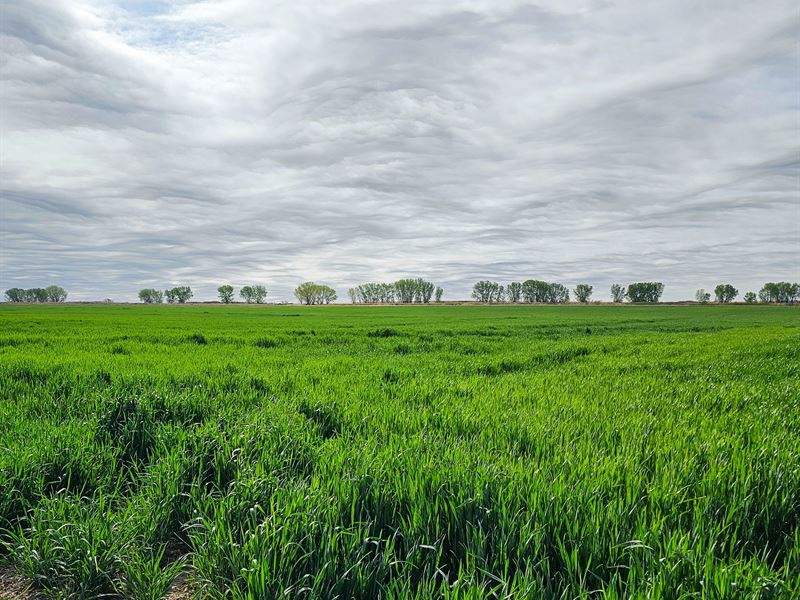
402,452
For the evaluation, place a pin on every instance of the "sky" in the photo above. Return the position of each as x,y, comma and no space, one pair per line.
152,144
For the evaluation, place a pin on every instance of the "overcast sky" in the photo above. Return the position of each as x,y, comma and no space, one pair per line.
149,143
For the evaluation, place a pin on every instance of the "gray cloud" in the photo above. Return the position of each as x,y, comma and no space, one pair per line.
155,143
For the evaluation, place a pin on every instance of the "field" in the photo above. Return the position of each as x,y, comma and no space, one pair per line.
401,452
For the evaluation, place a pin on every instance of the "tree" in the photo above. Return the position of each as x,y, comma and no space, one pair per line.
312,293
326,294
725,293
439,292
253,294
180,294
372,293
36,295
424,291
404,289
750,298
407,291
52,293
618,293
225,293
781,292
488,291
702,296
16,295
482,291
151,296
535,290
305,292
583,292
514,291
648,291
56,293
557,294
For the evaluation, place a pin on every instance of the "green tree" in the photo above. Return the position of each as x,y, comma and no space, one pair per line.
725,293
56,293
583,292
36,295
702,296
313,293
750,298
326,294
225,293
535,290
514,291
253,294
557,294
180,294
647,291
618,293
780,292
488,291
16,295
151,296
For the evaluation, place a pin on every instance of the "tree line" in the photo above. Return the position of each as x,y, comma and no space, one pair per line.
542,292
536,291
403,291
306,293
52,293
781,292
420,291
177,295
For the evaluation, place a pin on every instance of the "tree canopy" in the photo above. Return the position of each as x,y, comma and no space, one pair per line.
646,291
405,291
535,290
313,293
488,291
225,293
780,292
151,296
725,293
180,294
253,294
583,292
51,293
618,293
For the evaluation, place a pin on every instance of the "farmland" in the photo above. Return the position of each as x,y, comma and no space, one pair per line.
401,452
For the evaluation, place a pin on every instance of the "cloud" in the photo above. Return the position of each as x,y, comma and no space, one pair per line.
162,143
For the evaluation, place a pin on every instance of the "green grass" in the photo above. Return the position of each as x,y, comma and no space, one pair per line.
402,452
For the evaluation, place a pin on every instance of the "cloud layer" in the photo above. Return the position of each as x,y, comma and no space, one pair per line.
155,143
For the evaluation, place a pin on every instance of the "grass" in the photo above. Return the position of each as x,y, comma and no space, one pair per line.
402,452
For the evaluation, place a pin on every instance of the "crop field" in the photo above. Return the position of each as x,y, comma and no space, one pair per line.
401,452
